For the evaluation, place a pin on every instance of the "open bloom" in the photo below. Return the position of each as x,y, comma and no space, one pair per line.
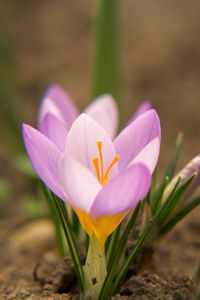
101,179
57,113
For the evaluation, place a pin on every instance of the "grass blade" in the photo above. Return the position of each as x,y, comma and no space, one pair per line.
56,222
136,249
180,215
75,224
152,188
132,255
71,243
113,246
155,205
174,198
175,156
115,261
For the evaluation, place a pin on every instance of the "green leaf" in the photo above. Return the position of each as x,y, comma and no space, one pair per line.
156,200
76,224
114,263
175,156
135,250
70,239
132,255
56,221
174,198
107,64
180,215
152,188
113,246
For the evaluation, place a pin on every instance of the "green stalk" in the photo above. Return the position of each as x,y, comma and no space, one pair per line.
94,270
175,156
173,199
107,64
70,240
114,262
113,246
180,215
157,200
56,222
137,247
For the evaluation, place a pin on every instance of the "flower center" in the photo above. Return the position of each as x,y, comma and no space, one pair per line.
98,164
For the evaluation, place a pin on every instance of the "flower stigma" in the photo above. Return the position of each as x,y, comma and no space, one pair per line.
98,164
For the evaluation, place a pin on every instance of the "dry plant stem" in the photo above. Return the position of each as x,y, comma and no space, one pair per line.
94,270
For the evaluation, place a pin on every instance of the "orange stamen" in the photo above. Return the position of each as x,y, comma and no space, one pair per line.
106,176
99,145
99,166
95,162
114,161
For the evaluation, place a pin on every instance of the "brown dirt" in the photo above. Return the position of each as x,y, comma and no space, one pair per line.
162,63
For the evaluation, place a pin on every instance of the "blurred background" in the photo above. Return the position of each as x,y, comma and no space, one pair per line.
51,41
42,42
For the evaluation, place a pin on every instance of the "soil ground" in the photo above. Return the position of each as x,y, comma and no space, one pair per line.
50,41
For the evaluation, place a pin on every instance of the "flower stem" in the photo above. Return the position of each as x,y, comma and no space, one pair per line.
95,270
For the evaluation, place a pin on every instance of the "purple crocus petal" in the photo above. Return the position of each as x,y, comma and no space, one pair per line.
123,192
54,130
78,183
81,143
149,155
131,141
104,111
44,156
145,106
57,102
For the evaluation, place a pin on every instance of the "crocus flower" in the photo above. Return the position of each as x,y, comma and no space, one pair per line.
57,113
101,179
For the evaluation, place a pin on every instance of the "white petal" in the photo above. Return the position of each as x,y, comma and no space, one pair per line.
82,141
104,111
135,137
78,183
149,155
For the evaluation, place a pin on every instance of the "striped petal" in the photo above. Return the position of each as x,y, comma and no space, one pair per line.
44,156
82,141
78,183
123,192
54,129
134,138
149,155
57,102
104,111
